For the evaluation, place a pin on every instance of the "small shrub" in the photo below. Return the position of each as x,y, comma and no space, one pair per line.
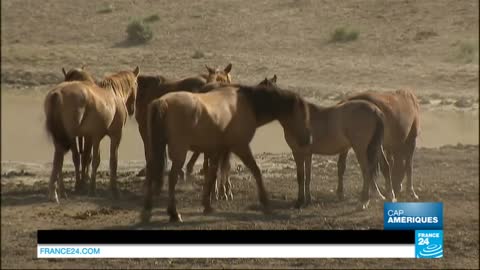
151,18
106,9
344,35
425,34
139,32
198,55
467,52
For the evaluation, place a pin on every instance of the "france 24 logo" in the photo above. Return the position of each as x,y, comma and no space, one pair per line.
429,244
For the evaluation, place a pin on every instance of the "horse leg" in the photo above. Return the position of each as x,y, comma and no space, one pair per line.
86,161
76,163
308,176
225,178
341,165
300,163
95,164
114,144
61,184
385,168
246,156
177,166
52,190
398,171
219,186
210,183
191,162
367,177
409,168
205,165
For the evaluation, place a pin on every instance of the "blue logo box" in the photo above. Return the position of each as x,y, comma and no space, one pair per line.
413,216
429,244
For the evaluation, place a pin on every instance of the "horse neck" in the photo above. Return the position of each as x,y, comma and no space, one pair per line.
318,111
117,90
268,105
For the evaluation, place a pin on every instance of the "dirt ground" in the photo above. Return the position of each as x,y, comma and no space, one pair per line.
430,46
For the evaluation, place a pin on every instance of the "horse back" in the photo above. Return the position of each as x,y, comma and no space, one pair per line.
203,120
401,112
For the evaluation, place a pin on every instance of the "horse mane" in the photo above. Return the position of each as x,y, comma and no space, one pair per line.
409,94
121,82
271,101
79,75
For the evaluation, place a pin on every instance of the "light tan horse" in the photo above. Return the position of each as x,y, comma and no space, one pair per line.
354,124
80,74
216,123
153,87
84,109
402,126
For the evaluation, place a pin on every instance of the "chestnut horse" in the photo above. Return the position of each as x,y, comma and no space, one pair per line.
354,124
85,109
153,87
402,126
80,164
217,123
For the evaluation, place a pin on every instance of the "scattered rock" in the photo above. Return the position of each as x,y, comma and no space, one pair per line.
447,101
423,100
91,213
463,103
14,173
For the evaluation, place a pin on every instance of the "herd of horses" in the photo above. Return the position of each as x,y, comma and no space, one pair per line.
210,114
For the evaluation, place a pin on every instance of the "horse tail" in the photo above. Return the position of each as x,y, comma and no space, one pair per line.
374,149
54,122
157,143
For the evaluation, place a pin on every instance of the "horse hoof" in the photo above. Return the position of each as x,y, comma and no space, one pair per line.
363,206
208,210
230,197
414,196
145,216
54,198
142,172
176,218
299,204
267,210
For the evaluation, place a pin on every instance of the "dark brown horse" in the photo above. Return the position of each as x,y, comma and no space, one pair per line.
355,124
84,109
153,87
216,123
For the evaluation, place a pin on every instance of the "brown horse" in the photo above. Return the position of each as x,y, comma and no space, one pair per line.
402,126
216,123
354,124
153,87
84,109
80,74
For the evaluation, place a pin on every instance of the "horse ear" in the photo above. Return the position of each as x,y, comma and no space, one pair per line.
228,68
136,71
83,67
274,79
64,72
210,70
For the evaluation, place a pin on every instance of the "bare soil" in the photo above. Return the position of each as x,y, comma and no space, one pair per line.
429,46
